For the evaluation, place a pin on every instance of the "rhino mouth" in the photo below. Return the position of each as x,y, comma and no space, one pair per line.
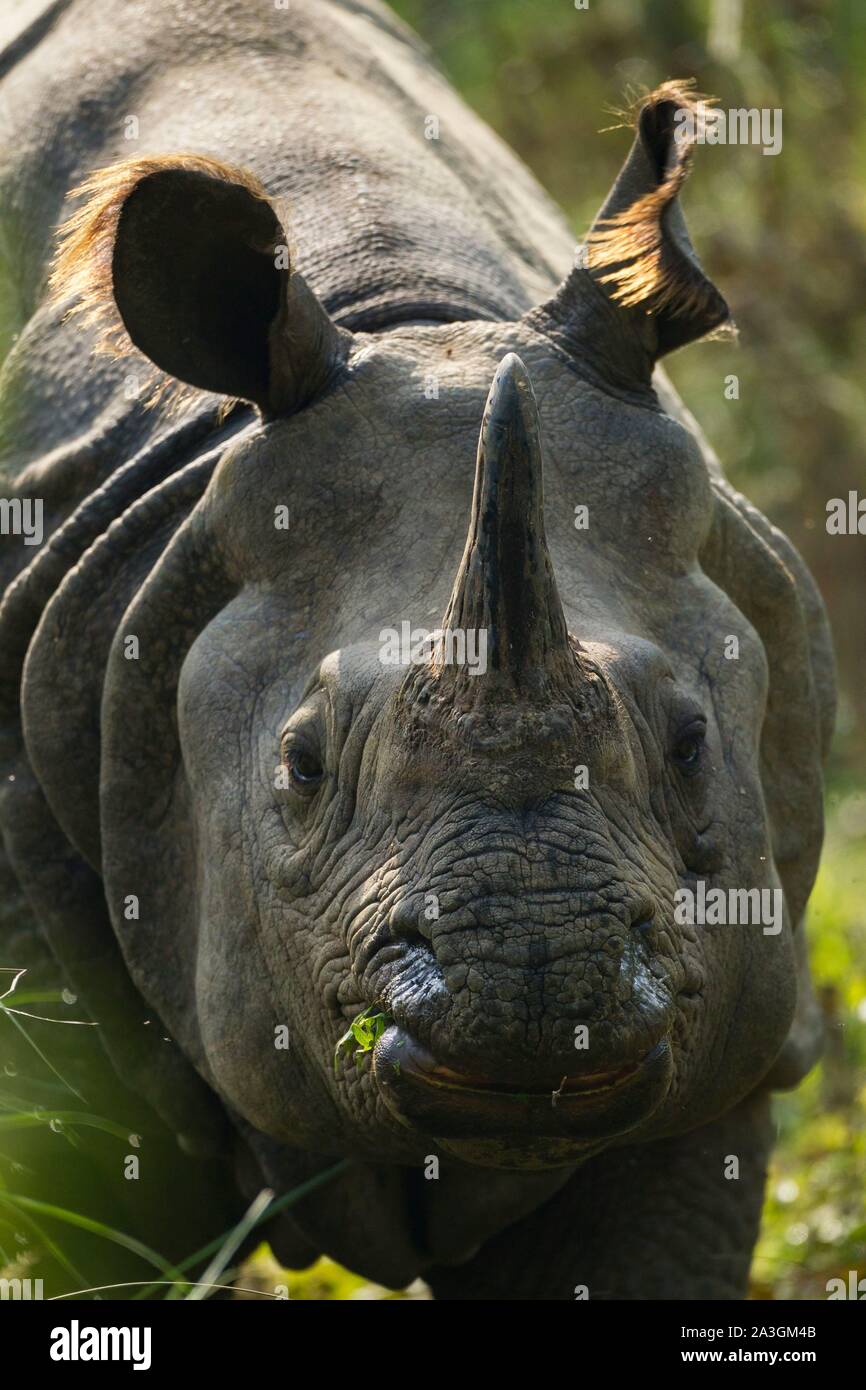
440,1075
424,1093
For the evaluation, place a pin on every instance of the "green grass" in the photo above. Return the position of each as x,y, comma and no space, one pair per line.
815,1217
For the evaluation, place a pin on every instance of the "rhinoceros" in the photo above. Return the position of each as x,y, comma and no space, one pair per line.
396,666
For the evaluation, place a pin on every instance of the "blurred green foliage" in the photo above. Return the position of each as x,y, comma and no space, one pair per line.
815,1217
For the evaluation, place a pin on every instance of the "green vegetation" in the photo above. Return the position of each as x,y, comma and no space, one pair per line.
361,1036
815,1217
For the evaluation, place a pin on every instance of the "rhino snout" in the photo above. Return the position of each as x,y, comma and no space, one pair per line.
510,1022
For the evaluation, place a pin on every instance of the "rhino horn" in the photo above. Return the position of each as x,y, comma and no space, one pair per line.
505,584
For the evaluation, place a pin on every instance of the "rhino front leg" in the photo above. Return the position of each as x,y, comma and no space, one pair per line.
660,1221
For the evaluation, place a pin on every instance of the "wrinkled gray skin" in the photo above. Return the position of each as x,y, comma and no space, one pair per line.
263,906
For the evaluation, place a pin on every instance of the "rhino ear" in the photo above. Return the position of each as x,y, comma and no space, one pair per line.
193,258
638,247
637,288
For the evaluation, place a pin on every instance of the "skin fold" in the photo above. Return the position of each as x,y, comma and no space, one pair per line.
403,397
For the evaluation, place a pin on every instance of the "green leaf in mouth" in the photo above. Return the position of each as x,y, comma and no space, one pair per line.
361,1036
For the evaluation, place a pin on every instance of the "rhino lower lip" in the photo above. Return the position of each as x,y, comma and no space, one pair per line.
439,1075
507,1124
405,1057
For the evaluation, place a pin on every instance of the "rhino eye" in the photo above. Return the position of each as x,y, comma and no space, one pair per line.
305,769
688,747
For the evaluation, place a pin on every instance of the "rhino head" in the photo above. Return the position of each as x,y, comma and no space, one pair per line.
482,842
516,916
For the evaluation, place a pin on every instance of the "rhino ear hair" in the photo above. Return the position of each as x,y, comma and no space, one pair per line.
638,247
638,251
185,259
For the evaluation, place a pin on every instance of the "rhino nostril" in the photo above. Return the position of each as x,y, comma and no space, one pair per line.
407,921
